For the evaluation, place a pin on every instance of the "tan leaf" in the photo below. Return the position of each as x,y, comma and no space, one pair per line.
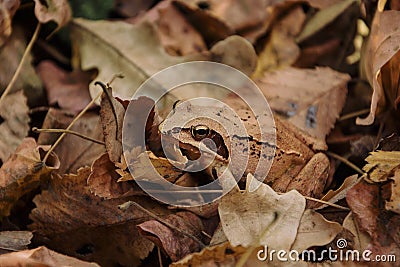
314,230
394,203
58,11
14,240
84,152
23,172
361,239
111,117
261,217
76,222
103,180
7,11
100,44
41,257
14,123
381,165
379,62
69,90
310,99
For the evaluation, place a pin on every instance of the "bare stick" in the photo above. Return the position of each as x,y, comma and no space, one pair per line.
21,63
34,129
345,161
353,114
126,205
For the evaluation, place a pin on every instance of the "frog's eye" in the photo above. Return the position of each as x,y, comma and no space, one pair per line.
199,132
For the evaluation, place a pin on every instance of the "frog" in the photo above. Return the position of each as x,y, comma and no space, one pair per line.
293,164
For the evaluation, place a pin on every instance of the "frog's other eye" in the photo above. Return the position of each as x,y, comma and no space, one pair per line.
199,132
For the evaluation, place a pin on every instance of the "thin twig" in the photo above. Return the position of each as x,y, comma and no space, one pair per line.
126,205
345,161
326,203
21,63
34,129
354,114
159,257
69,127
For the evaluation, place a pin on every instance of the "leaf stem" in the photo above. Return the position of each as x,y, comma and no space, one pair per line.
354,114
345,161
34,129
21,63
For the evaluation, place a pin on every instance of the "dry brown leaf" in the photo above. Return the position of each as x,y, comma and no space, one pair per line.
41,257
261,217
361,239
14,123
11,52
174,243
176,34
112,116
14,240
381,165
7,11
314,230
58,11
76,222
131,8
394,203
103,180
281,50
365,201
310,99
69,90
23,172
379,63
84,152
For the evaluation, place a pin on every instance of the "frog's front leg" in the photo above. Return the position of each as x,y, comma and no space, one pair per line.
311,180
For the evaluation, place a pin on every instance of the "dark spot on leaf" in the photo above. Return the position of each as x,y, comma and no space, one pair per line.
311,117
203,5
229,251
85,249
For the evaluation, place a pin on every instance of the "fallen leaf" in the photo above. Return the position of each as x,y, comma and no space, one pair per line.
8,9
131,8
361,239
84,152
53,10
381,165
41,257
174,243
379,62
14,123
310,99
103,180
23,172
69,90
78,223
14,240
261,217
100,44
112,116
394,203
177,35
280,50
314,230
11,52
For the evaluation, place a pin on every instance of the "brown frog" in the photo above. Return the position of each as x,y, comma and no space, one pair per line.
295,165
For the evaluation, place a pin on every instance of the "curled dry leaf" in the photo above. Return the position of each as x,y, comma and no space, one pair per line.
380,63
7,11
23,172
14,123
84,152
261,217
381,165
310,99
78,223
58,11
174,243
103,180
41,257
111,117
69,90
14,240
